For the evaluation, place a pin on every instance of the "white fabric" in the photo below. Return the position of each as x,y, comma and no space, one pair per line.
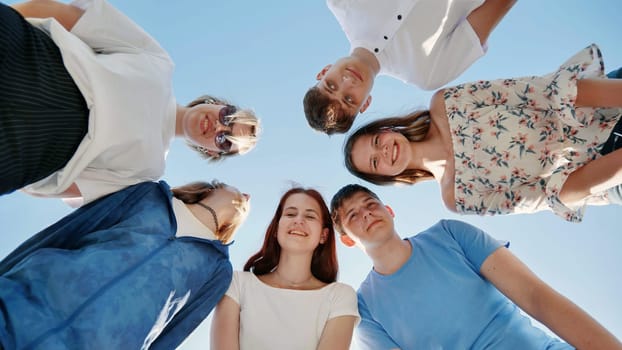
125,78
188,224
429,46
275,318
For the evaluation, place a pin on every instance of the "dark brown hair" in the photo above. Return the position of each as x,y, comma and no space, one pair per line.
324,264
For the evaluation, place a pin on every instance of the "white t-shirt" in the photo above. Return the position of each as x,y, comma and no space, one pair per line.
427,43
274,318
126,80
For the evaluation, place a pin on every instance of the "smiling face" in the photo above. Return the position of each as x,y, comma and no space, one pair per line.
349,82
384,153
206,125
300,225
365,219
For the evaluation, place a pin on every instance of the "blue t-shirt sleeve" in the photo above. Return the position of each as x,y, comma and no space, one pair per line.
369,334
476,244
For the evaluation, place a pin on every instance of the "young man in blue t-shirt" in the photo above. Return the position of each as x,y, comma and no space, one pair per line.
452,286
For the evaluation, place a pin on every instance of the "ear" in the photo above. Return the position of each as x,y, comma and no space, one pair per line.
322,73
390,211
324,236
347,241
365,104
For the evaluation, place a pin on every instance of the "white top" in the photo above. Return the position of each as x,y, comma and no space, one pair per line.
274,318
125,78
427,43
188,224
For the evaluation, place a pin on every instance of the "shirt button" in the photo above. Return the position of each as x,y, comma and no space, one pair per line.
376,50
386,37
399,17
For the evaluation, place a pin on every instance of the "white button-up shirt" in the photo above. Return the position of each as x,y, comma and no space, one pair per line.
422,42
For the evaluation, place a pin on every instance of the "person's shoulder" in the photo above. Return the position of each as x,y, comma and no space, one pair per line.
243,278
342,288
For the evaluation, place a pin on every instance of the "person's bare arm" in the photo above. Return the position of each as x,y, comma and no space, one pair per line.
485,18
337,333
225,332
66,15
594,177
595,92
508,274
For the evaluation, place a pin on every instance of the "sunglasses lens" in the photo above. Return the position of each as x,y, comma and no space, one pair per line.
222,142
224,113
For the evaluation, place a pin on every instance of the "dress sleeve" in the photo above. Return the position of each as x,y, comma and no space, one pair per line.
107,30
344,302
369,334
476,244
553,95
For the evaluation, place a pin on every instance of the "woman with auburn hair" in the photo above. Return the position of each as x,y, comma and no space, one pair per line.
287,296
140,268
87,103
507,146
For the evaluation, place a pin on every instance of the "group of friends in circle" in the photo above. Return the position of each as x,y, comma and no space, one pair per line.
140,264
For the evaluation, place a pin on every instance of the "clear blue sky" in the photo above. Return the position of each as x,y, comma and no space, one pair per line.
265,54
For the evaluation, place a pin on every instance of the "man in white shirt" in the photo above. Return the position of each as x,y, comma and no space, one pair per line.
426,43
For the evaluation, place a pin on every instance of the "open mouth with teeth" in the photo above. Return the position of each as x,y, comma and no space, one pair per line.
298,233
205,125
395,152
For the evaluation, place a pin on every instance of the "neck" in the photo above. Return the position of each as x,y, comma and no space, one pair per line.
391,255
367,57
180,111
430,154
294,270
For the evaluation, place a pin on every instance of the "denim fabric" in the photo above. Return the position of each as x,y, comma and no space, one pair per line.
111,275
615,74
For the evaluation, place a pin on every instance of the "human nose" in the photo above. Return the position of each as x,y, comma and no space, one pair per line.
246,196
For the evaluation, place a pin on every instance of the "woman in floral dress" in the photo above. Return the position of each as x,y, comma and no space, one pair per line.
506,146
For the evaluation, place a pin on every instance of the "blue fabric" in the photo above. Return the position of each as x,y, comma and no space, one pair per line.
101,277
439,300
615,74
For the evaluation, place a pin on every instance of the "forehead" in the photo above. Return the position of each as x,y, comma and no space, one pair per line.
301,201
361,153
356,200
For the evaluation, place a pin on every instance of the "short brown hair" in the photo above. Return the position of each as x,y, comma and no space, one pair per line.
325,114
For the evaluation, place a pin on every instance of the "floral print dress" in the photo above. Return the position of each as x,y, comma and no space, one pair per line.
515,141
